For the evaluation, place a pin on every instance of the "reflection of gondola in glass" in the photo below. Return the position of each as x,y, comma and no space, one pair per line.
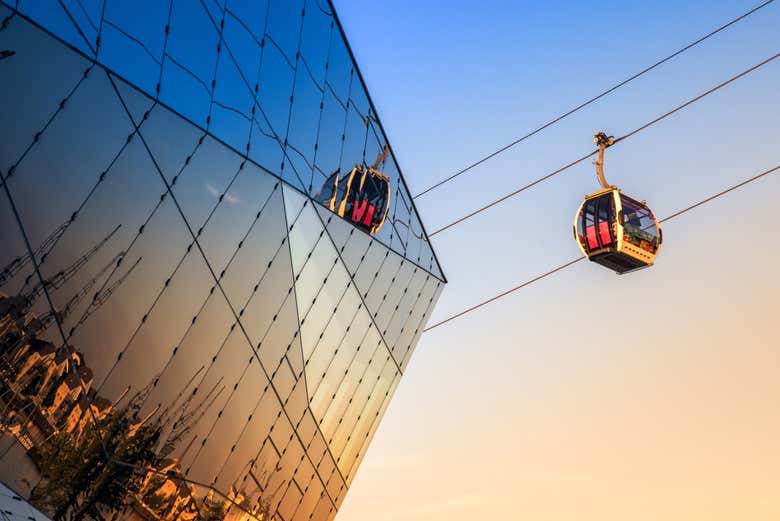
362,196
615,230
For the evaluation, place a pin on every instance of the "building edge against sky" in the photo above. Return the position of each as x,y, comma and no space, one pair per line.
213,273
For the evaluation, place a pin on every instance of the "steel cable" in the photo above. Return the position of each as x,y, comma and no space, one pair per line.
578,259
594,99
618,140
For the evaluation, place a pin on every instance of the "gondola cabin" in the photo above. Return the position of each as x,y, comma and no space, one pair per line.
362,197
617,231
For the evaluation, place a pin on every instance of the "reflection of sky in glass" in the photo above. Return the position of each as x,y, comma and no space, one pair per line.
198,289
301,113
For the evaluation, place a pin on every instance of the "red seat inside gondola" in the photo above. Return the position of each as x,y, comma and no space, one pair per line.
590,234
606,238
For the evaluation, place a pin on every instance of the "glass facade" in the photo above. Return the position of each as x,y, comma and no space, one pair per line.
189,328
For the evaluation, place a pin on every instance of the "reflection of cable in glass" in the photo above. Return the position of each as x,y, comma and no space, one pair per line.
244,26
418,237
327,13
336,96
311,74
86,14
188,71
231,109
281,51
4,24
131,37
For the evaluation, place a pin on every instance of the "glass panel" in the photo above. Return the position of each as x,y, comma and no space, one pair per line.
639,225
235,207
392,299
243,34
229,392
284,26
331,366
292,498
340,71
306,428
204,181
258,248
346,383
304,123
403,309
315,41
331,340
402,221
259,420
64,20
588,218
296,168
134,44
35,81
15,259
231,108
274,96
316,449
66,161
377,266
311,497
330,138
335,484
416,318
369,436
369,414
190,61
21,373
134,101
420,327
265,145
297,402
324,509
354,141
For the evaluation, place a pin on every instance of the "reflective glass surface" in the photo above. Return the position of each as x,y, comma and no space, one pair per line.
187,330
639,226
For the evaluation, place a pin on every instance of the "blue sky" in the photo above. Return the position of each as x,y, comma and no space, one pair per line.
523,394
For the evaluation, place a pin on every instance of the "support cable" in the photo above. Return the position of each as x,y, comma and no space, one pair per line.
618,140
594,99
578,259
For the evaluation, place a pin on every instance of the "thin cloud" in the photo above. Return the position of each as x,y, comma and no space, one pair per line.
230,198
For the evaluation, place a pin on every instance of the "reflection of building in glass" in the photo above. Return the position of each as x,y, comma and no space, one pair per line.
209,286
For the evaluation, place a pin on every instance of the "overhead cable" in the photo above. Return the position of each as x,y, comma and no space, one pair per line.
594,99
618,140
578,259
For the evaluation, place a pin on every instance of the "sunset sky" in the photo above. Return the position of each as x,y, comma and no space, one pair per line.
587,396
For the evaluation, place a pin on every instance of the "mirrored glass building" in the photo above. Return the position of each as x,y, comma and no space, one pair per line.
212,273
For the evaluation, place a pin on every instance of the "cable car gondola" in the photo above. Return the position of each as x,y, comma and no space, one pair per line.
362,196
615,230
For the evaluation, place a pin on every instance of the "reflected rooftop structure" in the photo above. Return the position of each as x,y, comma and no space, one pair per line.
189,328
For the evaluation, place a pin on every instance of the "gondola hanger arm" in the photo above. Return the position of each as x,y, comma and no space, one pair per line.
603,141
381,156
